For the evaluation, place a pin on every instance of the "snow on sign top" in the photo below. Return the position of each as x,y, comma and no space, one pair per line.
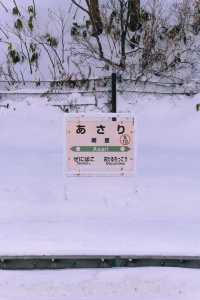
100,144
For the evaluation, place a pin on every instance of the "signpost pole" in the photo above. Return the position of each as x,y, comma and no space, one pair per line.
114,93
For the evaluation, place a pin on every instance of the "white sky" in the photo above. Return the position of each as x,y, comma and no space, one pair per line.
40,3
44,4
42,7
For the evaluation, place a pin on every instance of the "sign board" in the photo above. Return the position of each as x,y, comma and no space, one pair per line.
100,144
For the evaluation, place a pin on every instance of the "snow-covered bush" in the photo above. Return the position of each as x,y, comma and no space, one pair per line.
98,37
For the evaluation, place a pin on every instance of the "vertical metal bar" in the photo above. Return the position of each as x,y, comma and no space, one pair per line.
114,93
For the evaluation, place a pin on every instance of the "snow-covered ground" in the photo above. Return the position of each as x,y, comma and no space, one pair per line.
137,284
154,212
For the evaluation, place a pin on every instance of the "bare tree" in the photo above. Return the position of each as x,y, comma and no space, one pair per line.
112,23
30,45
116,35
93,11
134,11
95,16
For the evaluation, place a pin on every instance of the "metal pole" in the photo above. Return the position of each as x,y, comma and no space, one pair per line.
114,93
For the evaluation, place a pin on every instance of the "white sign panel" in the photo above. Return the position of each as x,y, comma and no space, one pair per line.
101,144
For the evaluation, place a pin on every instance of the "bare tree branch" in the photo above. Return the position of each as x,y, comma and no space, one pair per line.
4,33
34,8
15,3
3,5
81,7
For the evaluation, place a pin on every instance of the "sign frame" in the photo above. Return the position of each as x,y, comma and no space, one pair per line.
98,116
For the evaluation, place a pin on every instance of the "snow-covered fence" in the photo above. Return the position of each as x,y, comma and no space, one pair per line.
96,261
71,95
99,85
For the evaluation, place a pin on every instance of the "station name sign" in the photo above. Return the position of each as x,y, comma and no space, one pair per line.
100,144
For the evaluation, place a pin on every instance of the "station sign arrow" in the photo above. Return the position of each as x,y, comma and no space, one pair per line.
100,149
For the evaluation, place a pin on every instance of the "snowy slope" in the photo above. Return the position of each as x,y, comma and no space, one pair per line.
137,284
154,212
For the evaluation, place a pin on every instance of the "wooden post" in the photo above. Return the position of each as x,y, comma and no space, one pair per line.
114,93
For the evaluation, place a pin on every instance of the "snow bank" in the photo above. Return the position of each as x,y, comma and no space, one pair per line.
137,284
154,212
